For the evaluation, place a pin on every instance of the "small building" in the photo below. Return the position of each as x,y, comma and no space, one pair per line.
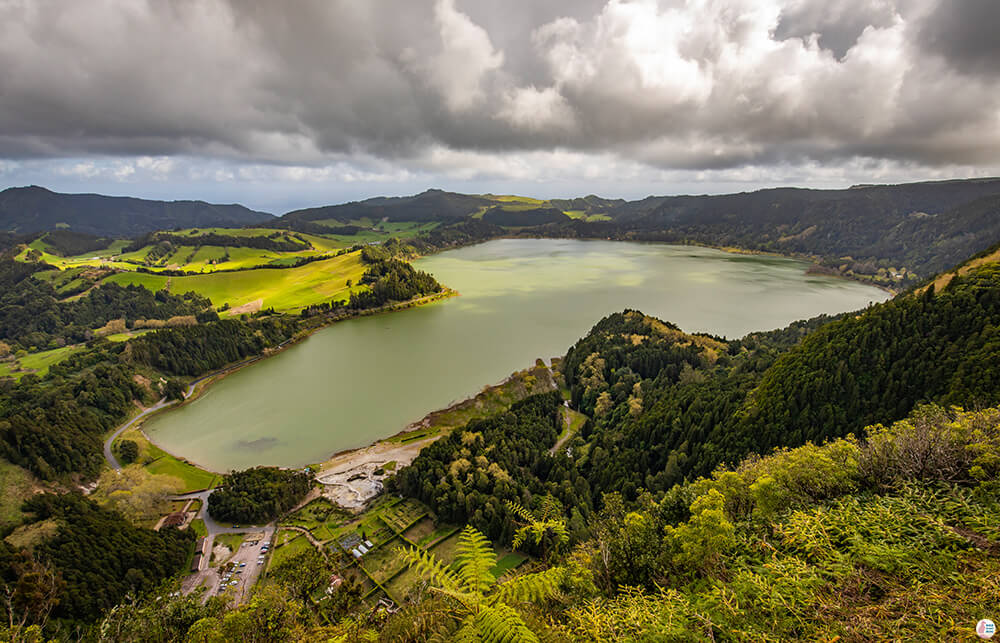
369,544
174,520
196,562
355,553
362,549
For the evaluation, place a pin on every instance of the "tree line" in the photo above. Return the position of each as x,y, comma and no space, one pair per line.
258,495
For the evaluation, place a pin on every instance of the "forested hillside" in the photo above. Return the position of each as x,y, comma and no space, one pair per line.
34,209
892,235
53,426
834,479
667,408
34,316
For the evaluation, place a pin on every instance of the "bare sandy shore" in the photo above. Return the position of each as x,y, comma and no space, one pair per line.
352,478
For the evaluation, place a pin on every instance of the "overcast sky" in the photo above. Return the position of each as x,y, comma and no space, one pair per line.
288,104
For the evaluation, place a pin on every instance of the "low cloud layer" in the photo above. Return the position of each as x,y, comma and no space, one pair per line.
409,87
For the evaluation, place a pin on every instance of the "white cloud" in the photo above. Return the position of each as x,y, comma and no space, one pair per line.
383,91
465,58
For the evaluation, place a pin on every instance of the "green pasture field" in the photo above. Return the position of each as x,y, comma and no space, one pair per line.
37,363
157,461
127,335
289,549
288,289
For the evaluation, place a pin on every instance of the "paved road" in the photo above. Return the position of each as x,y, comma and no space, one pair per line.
108,455
213,528
210,577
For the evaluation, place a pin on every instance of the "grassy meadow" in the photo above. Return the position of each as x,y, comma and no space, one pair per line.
36,363
157,461
284,289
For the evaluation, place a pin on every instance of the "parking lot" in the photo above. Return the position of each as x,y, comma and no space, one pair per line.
238,575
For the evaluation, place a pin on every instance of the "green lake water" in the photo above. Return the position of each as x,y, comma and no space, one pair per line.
367,378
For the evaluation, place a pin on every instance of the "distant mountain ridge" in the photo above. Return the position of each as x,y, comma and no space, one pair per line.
431,205
28,210
892,235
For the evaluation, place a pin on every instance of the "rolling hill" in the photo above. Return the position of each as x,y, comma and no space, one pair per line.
28,210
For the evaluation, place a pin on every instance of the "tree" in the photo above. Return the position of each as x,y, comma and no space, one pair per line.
303,573
128,451
545,529
28,597
482,609
174,390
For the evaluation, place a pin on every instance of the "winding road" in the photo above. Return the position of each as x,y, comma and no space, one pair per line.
163,403
108,455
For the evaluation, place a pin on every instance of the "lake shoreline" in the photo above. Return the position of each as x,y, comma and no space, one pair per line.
613,263
200,385
815,266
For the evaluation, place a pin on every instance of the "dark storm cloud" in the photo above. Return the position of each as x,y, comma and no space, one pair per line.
965,33
421,83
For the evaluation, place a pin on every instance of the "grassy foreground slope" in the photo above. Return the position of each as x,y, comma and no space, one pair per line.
284,289
891,538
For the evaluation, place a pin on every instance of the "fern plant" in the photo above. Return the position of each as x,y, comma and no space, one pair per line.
545,529
482,607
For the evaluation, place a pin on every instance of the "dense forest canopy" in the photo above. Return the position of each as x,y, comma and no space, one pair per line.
53,425
275,241
258,495
97,557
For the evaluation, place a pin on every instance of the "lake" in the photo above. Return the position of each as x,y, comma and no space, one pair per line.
367,378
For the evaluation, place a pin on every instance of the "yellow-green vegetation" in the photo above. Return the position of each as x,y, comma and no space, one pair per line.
37,363
16,486
583,216
490,401
157,461
573,421
96,257
137,493
320,517
28,536
897,533
284,289
289,548
124,337
480,607
232,541
285,535
198,527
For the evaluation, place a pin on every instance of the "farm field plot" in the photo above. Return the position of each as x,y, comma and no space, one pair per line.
385,561
507,562
446,550
289,549
358,575
320,517
287,289
403,514
401,585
